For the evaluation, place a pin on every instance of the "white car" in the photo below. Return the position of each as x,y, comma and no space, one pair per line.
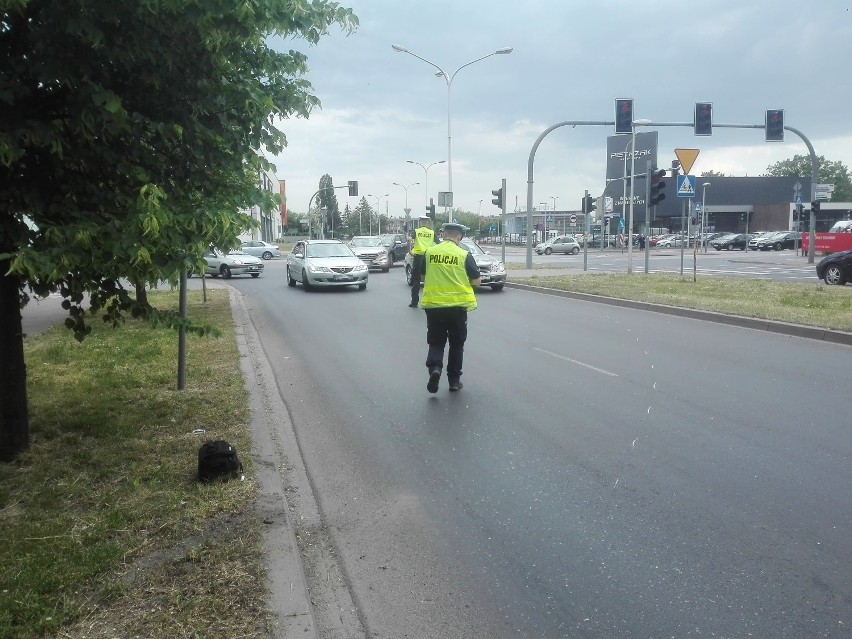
234,263
562,244
325,263
261,249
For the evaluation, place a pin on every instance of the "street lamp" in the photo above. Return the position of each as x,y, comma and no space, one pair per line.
449,79
407,210
426,171
703,214
378,211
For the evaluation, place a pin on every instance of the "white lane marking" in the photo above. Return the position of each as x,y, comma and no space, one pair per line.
577,362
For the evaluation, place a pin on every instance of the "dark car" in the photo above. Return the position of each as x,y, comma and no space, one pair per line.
779,241
396,246
836,268
729,242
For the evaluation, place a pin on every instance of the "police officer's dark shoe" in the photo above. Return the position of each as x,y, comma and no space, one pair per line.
455,385
434,378
413,304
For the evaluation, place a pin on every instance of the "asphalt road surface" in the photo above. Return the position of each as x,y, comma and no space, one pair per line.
605,472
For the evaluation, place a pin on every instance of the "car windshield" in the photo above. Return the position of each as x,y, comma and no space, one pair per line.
472,247
328,250
366,241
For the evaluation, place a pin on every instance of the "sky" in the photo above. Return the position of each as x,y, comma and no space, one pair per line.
570,61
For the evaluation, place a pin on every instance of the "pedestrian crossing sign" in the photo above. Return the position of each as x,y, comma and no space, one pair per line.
686,186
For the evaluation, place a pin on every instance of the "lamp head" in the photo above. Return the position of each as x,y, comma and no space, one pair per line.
399,48
504,50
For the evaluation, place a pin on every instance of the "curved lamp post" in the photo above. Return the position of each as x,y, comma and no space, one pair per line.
426,171
449,79
378,211
407,210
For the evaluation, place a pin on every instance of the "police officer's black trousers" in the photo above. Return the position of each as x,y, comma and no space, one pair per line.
416,274
446,325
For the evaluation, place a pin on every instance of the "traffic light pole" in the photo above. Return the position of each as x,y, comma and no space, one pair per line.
573,123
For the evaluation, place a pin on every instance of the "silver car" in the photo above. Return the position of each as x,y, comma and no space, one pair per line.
491,270
562,244
325,263
234,263
372,251
261,249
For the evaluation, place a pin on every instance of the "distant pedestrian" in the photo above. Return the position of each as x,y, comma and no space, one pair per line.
421,239
450,273
642,242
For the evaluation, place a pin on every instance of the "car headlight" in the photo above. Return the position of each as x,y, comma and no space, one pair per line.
319,269
498,267
360,267
237,262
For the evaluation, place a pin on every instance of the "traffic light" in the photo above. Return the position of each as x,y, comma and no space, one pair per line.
498,198
815,206
623,116
430,209
703,122
353,187
656,186
774,125
606,220
588,204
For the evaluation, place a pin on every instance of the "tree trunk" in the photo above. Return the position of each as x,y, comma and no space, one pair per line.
141,293
14,418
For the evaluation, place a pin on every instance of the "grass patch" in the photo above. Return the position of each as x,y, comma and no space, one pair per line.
106,531
808,304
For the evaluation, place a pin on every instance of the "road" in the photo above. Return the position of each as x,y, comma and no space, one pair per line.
605,472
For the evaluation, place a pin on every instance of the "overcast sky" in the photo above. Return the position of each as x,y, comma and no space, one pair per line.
571,60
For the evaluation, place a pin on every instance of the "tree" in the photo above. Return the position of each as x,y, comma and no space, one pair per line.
361,217
711,174
326,200
828,172
131,134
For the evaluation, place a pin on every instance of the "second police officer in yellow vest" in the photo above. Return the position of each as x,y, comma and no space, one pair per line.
450,273
422,238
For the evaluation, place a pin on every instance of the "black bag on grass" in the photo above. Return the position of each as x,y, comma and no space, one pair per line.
217,459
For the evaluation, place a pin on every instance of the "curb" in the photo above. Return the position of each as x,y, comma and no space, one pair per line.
760,324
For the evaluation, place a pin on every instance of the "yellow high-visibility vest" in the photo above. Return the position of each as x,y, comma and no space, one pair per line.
446,283
424,237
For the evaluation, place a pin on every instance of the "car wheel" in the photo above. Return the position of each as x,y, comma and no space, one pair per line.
255,274
386,269
408,274
390,261
226,272
575,250
267,255
728,247
305,283
548,251
290,280
833,275
496,287
362,287
778,246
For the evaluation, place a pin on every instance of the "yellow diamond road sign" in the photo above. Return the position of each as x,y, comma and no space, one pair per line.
686,157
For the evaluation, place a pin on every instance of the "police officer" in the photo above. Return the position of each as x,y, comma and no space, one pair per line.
450,273
422,238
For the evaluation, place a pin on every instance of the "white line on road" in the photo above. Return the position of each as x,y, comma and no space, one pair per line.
577,362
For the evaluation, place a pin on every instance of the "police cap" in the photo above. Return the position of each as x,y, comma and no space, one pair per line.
452,227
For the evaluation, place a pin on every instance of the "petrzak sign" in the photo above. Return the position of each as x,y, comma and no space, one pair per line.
618,150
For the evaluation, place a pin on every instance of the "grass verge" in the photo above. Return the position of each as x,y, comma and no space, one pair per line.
106,532
807,304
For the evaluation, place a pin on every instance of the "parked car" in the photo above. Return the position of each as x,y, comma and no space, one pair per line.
491,269
731,241
396,245
755,239
325,263
371,249
835,268
261,249
674,240
778,241
233,263
561,244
